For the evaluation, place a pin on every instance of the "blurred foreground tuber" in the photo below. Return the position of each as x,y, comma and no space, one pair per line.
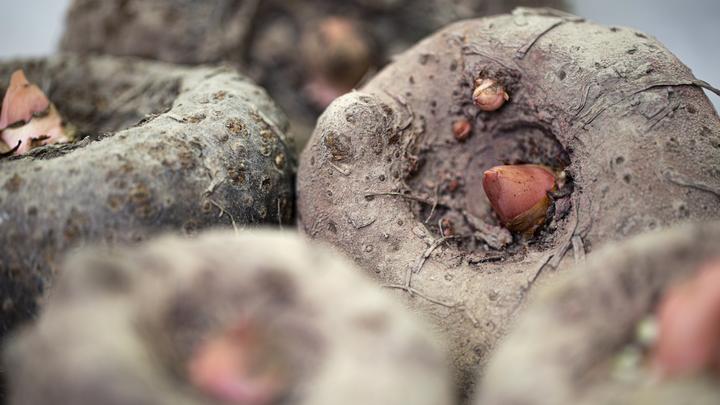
254,318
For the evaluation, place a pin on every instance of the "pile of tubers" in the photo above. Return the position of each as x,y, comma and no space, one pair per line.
520,208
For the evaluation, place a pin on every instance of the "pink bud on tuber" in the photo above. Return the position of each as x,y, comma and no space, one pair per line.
689,325
229,367
489,95
461,129
21,101
39,131
28,117
519,195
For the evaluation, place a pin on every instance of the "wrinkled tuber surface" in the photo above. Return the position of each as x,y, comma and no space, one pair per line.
562,350
622,121
278,42
132,326
163,148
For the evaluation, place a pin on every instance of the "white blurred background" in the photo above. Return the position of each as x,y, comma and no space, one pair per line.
689,28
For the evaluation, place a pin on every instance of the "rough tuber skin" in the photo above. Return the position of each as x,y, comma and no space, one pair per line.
250,318
372,179
261,38
163,149
561,350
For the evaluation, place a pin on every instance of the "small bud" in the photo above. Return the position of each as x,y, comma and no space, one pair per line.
489,95
28,118
689,325
21,101
231,367
39,131
519,195
448,227
337,54
461,129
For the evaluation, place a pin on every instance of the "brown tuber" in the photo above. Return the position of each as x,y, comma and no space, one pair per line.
489,95
22,100
689,320
519,195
